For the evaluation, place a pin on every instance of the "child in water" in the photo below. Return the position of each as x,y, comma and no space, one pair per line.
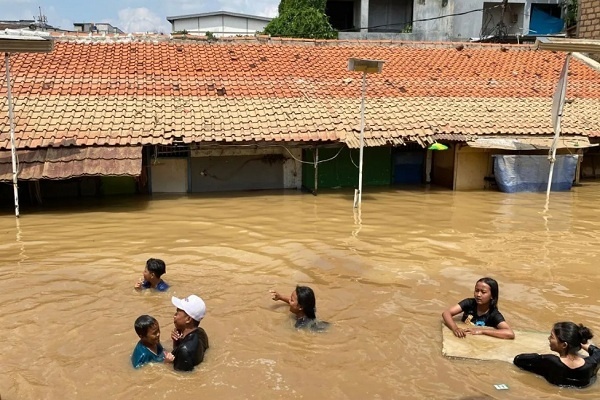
155,268
568,368
190,341
480,310
303,305
148,348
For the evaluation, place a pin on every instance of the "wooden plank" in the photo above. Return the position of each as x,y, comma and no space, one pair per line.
481,347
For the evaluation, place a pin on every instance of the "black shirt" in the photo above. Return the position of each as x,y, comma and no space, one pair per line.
189,351
490,318
311,324
556,372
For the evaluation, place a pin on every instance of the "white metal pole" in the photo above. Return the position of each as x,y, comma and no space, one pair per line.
560,94
12,136
362,138
552,160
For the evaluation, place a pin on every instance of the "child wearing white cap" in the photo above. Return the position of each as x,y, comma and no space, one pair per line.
189,339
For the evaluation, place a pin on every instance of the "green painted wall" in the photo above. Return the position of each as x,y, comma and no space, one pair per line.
341,172
118,185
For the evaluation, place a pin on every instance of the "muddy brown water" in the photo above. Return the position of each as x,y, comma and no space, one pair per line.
68,302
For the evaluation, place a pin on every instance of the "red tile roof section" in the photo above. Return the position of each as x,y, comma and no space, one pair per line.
122,91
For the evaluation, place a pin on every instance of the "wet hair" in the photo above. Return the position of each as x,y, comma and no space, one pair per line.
494,289
156,266
306,300
143,323
572,334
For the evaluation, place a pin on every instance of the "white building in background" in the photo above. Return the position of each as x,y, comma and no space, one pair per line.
441,20
100,27
220,23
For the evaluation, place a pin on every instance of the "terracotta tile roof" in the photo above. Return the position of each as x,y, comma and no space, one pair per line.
123,91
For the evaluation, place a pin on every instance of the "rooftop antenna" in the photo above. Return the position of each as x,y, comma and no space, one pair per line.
42,20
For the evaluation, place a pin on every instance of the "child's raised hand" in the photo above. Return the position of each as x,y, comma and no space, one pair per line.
176,335
138,284
274,295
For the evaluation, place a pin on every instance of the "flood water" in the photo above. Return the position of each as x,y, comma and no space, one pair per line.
68,303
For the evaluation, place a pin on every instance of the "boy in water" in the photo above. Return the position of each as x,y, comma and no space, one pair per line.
155,268
148,348
189,340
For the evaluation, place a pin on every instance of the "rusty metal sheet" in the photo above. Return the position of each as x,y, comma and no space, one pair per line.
89,167
71,162
67,154
354,142
30,164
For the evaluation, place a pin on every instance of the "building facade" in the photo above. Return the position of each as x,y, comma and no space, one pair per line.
589,19
190,116
102,27
424,20
221,23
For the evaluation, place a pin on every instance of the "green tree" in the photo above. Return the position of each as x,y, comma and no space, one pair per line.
571,12
301,19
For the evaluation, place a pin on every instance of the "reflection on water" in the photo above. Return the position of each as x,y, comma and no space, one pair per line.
381,278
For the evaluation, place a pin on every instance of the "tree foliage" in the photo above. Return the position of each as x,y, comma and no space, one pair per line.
571,12
301,19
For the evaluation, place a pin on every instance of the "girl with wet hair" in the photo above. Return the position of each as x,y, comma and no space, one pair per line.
303,305
306,301
479,311
569,368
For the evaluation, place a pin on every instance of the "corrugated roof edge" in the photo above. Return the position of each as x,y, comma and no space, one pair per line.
219,13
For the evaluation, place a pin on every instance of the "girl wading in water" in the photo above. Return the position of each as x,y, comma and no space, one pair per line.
480,310
568,368
303,305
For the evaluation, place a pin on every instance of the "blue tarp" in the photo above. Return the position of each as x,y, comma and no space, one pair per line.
543,23
529,173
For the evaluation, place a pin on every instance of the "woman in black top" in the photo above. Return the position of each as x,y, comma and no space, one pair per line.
568,368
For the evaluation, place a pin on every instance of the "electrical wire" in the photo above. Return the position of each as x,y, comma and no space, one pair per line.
351,159
309,162
423,19
404,23
155,157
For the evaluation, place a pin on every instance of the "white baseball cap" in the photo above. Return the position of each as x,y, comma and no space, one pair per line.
192,305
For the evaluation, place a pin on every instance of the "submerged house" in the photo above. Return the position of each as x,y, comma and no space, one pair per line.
155,115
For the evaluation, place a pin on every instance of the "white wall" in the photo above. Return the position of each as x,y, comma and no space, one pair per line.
222,25
461,27
292,169
187,24
438,29
169,175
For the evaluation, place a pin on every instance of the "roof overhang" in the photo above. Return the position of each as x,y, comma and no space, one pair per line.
17,41
568,44
73,162
218,14
529,143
